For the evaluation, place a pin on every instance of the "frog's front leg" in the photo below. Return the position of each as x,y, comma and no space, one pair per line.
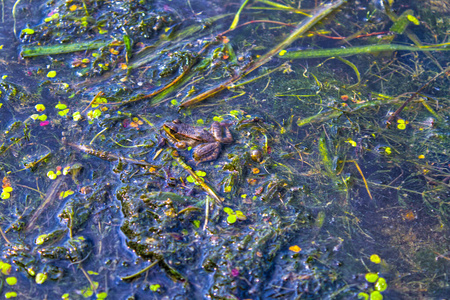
216,131
177,144
206,152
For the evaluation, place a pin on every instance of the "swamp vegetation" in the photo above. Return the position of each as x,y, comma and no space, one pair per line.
335,184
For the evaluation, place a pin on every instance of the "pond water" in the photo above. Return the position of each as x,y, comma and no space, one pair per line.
225,150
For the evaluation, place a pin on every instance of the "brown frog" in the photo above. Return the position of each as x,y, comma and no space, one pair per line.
206,143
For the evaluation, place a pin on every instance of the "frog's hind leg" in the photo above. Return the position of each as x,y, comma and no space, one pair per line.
206,152
216,131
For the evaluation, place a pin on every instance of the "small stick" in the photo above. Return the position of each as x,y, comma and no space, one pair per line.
140,272
206,213
399,110
208,189
162,89
301,28
362,175
254,22
52,193
93,100
4,236
111,157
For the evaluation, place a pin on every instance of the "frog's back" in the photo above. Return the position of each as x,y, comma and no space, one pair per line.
196,133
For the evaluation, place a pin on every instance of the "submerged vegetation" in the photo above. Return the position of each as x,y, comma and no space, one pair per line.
335,183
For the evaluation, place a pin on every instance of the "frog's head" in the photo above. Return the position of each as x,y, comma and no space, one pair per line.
172,128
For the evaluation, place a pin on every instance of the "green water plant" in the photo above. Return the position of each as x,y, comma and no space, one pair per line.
379,283
233,216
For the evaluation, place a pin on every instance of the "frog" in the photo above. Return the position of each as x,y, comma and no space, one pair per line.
206,143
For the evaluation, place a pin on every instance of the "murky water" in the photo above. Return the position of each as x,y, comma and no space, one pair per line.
313,197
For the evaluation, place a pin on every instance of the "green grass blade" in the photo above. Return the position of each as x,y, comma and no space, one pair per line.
236,17
31,51
317,53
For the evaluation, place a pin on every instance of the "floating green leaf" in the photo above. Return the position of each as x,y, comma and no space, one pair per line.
65,194
363,296
371,277
92,272
76,116
42,117
218,118
228,210
88,291
28,31
240,215
51,74
63,113
5,268
51,175
60,106
97,113
375,258
10,295
413,19
99,101
41,278
231,219
200,173
381,284
376,295
41,239
39,107
11,280
31,272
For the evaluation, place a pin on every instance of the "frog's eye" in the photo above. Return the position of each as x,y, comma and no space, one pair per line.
176,121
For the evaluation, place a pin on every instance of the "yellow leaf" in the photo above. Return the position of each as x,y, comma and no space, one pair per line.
413,19
295,248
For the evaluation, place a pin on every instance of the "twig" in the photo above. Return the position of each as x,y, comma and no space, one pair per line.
4,236
362,175
51,196
30,188
253,22
208,189
14,15
303,27
112,157
399,110
93,287
93,100
97,135
162,89
141,271
236,17
206,213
